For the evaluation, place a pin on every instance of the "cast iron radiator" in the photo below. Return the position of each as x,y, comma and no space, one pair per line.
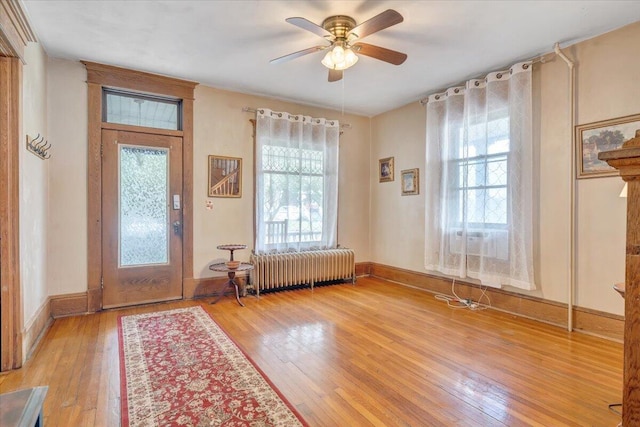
285,270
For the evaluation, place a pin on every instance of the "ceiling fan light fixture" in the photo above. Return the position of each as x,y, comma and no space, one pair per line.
327,61
350,57
337,54
341,60
340,31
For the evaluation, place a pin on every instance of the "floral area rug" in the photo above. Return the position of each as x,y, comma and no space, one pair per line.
178,368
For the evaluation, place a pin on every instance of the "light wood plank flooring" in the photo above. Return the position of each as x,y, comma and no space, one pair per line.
376,353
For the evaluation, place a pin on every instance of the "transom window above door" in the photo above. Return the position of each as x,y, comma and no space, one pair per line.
128,108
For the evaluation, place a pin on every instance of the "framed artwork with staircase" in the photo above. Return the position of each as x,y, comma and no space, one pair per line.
225,176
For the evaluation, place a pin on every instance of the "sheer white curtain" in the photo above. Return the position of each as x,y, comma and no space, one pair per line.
296,182
479,180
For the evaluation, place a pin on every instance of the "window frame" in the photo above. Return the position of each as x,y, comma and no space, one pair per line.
456,165
145,97
302,175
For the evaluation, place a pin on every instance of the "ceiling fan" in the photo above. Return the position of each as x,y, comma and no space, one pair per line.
344,37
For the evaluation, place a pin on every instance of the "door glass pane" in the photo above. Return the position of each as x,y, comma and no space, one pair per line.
139,110
144,210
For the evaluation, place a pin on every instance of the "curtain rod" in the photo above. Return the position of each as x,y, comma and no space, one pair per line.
253,110
541,58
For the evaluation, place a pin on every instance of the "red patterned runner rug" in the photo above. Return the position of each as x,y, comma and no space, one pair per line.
178,368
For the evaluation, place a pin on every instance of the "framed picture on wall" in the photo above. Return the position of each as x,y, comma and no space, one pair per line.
225,176
385,169
592,138
410,182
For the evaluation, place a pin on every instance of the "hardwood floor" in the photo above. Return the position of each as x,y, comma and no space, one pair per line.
376,353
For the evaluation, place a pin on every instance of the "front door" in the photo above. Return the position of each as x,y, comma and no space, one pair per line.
141,218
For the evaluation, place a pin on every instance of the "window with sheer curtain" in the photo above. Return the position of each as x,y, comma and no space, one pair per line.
479,180
296,182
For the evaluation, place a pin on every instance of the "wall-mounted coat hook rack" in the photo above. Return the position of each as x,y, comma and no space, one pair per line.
39,147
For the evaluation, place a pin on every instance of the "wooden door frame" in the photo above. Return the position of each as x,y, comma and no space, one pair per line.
98,77
11,307
15,33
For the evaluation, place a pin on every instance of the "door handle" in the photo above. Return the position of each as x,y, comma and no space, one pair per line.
176,227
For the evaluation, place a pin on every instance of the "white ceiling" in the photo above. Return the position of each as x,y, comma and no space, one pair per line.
228,44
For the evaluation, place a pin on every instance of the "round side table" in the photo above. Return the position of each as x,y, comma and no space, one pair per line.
231,274
231,248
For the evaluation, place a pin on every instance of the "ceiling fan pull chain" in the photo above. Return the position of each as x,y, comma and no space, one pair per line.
343,95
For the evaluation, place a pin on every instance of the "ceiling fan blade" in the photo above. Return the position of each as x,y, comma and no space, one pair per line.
335,75
387,55
379,22
297,54
305,24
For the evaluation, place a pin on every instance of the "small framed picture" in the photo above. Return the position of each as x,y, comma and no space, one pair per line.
385,169
225,176
592,138
410,182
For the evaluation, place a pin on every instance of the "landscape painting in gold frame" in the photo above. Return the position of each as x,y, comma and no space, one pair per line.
410,182
605,135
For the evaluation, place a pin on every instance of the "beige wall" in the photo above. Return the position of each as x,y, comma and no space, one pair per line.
67,242
374,219
220,128
34,187
397,222
607,87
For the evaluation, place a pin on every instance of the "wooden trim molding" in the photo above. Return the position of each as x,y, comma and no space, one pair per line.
36,329
15,31
10,292
585,320
99,76
187,188
598,323
208,286
363,268
68,304
54,307
123,78
94,198
141,129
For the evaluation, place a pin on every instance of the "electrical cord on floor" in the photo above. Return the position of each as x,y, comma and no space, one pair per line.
615,405
454,301
484,295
